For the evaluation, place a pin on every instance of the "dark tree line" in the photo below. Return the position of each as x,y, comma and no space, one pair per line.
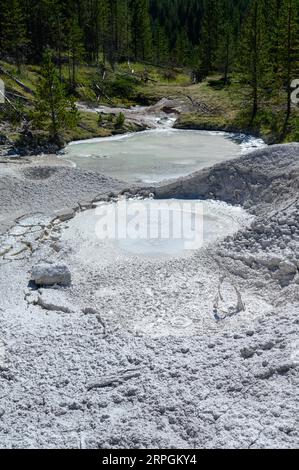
160,31
166,31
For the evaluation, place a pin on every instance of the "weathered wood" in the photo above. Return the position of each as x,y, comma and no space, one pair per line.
17,96
103,93
17,81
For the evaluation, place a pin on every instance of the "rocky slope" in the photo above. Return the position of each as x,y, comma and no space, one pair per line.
267,184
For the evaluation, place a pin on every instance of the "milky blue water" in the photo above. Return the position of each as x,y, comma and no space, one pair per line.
156,155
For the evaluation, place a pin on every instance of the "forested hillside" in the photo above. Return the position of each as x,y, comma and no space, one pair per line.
162,31
252,43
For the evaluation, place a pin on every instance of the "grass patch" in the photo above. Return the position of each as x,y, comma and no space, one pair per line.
87,128
216,106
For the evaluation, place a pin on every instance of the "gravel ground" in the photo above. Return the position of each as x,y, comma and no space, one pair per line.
153,354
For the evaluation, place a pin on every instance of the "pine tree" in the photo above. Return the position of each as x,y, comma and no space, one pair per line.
253,54
54,109
225,51
288,53
104,28
75,48
209,35
55,29
14,40
141,30
182,49
160,45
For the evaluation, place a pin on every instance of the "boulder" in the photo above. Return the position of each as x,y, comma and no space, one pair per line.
286,273
51,274
287,268
65,214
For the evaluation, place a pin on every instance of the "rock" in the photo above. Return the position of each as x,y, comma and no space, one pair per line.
185,350
51,274
86,204
35,220
250,333
288,268
90,311
57,247
267,346
265,244
259,228
101,198
54,301
270,262
32,298
65,214
247,353
286,273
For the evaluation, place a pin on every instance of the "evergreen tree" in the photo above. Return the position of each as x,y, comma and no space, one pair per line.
209,35
182,49
75,48
54,109
104,28
254,54
225,52
288,52
54,30
115,30
160,45
141,30
14,39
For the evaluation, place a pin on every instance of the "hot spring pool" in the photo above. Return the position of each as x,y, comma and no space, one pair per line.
159,154
152,228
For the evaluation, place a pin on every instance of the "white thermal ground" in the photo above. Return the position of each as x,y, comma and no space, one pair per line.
158,154
153,228
144,351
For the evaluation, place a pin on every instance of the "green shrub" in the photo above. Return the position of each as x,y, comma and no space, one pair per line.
120,121
293,135
122,87
13,114
100,119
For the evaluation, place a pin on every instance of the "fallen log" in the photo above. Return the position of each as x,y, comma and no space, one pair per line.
17,96
16,80
103,93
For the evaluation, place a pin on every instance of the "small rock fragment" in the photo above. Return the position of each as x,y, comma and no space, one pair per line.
51,274
247,353
65,214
